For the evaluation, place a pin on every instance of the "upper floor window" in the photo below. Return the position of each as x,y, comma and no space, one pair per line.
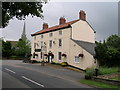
34,45
34,37
41,36
60,32
41,44
50,43
77,59
50,34
60,42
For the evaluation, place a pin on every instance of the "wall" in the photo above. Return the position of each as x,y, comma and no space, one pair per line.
55,48
82,31
85,62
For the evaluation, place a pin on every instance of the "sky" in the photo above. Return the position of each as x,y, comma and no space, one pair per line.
102,16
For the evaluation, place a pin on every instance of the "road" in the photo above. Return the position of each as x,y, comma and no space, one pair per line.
16,74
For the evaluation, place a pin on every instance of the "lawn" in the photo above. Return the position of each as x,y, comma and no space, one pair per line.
106,70
98,84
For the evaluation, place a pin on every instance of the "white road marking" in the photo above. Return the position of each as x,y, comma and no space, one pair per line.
10,70
32,81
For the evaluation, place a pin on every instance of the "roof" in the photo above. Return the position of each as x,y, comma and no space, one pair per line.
13,43
55,27
89,47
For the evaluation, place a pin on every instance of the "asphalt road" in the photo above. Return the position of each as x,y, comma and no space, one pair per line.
16,74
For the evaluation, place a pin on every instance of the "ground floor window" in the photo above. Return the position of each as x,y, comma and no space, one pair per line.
77,59
59,55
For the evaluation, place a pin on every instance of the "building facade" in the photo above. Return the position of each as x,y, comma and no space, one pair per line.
72,42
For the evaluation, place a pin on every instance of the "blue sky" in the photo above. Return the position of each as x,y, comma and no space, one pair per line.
103,17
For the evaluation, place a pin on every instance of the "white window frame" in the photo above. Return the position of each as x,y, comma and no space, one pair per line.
41,36
77,59
60,33
50,42
50,34
41,44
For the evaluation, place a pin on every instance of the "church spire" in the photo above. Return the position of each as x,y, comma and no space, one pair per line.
23,36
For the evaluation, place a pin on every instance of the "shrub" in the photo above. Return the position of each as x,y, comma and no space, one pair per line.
64,64
89,72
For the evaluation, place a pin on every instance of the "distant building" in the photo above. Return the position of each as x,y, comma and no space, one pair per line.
72,42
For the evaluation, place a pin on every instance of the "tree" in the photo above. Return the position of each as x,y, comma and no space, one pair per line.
23,49
6,49
20,10
108,52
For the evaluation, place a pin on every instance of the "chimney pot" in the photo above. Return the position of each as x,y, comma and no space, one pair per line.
82,15
62,21
45,25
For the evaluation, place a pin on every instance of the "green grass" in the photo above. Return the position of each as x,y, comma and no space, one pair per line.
97,84
115,78
106,70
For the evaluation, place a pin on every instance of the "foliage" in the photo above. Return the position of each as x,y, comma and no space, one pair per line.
64,64
20,10
23,48
108,52
89,72
98,84
6,49
106,70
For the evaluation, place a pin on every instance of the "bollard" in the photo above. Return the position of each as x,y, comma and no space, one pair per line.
96,72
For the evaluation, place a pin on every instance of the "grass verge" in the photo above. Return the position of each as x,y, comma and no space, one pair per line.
115,78
106,70
97,84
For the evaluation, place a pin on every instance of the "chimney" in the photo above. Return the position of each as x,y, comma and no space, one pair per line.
45,25
62,20
82,15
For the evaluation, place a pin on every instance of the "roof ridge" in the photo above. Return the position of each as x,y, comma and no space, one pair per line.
55,27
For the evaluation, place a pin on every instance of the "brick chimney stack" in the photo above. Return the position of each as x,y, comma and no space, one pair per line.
62,20
45,25
82,15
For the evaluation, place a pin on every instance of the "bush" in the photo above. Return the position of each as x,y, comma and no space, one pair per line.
64,64
89,72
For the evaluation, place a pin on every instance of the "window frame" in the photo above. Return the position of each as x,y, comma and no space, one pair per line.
50,34
50,43
77,59
34,45
60,32
41,44
60,42
41,36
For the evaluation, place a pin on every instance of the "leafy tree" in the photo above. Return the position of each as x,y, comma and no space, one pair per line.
23,48
20,10
6,49
108,52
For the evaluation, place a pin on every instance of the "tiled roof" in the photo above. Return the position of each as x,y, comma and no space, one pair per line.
89,47
55,27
